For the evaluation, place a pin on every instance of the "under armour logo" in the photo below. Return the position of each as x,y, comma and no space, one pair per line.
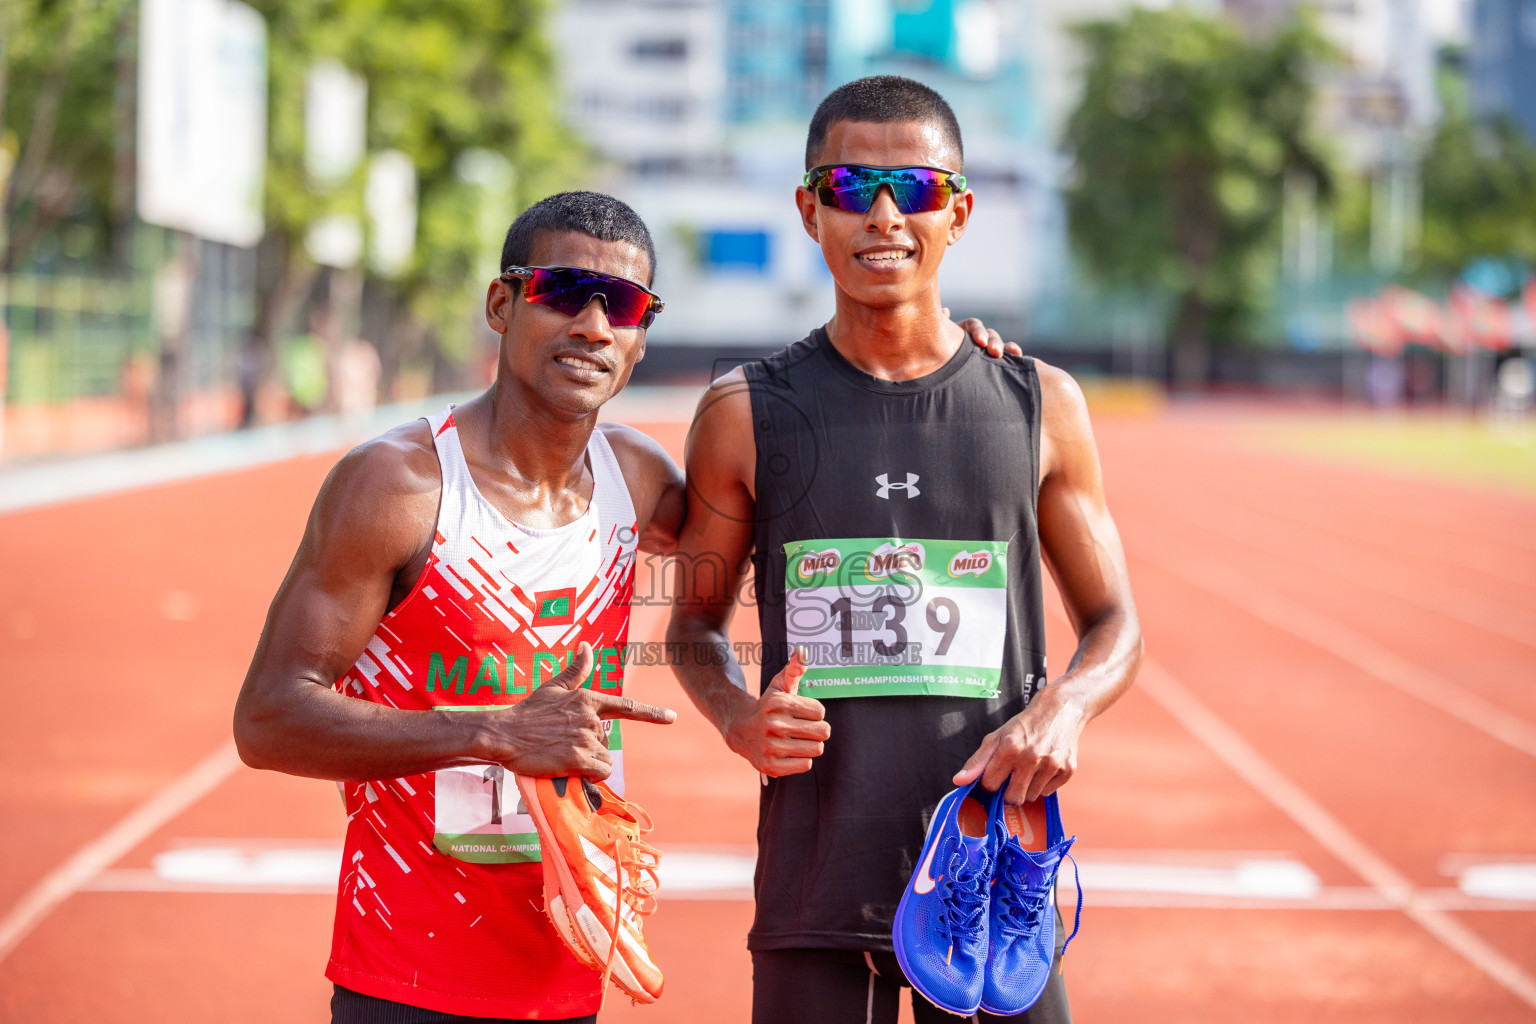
886,487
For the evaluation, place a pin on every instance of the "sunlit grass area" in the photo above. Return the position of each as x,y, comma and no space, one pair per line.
1476,450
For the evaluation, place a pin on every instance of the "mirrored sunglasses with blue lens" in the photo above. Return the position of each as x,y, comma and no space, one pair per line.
569,289
853,187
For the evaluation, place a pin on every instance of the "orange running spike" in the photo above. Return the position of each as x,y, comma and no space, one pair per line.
599,877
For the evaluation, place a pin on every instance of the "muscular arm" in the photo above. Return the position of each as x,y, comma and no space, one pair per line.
780,731
365,540
1082,550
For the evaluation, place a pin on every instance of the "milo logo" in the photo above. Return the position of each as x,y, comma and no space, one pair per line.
813,563
966,563
889,559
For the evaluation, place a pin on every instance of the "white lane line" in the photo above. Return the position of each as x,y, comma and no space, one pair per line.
1169,879
216,865
1343,643
1334,897
1401,511
1314,554
1331,833
49,482
52,481
1499,881
148,880
1252,878
707,874
98,854
1500,565
300,866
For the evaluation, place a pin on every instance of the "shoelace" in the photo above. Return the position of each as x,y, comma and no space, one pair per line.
635,862
965,898
1024,905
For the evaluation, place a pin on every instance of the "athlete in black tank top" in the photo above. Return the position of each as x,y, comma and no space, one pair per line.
896,493
944,464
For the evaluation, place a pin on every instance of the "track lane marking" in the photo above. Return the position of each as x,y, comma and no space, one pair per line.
89,862
1192,879
91,859
1314,819
1489,616
1403,508
1333,897
1493,566
1367,655
1263,496
82,477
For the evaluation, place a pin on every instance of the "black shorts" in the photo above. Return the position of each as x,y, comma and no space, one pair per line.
349,1007
835,986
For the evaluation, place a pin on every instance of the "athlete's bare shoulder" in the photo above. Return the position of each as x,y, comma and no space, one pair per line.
725,406
723,418
1066,434
400,463
383,494
722,452
730,387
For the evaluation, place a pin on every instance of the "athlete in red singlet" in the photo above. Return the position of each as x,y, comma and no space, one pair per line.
424,644
414,651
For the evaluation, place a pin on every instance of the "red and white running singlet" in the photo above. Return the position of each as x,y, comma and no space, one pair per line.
440,884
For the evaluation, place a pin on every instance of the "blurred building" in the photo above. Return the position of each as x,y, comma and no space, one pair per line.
775,59
703,107
643,80
1385,88
980,55
1378,107
1502,61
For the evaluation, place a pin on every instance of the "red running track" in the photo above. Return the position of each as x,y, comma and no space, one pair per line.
1340,677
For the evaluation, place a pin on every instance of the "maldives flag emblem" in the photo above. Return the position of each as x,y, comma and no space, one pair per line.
555,607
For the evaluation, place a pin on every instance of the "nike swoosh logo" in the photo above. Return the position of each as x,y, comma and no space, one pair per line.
925,881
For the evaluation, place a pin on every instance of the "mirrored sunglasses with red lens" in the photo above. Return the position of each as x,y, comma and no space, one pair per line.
853,187
569,289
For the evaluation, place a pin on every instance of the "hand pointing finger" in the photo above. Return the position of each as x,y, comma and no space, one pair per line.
628,707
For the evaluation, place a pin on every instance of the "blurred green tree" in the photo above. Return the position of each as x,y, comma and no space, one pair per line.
64,75
1479,195
446,79
1478,182
1182,142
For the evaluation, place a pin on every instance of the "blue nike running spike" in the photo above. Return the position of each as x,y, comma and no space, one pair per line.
1029,844
940,931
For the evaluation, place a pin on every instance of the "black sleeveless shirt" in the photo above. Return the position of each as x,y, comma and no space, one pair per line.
926,468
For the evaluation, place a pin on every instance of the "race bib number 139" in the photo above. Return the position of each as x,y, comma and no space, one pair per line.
886,616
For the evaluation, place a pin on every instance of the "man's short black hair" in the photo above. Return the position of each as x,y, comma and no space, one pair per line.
881,99
590,213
